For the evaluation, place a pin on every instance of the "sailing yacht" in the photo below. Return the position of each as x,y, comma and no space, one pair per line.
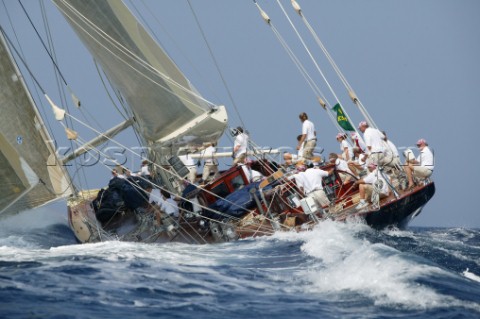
171,118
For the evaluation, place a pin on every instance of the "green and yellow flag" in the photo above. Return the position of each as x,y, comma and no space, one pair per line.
342,118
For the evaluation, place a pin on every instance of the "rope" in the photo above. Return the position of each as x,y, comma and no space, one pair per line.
91,128
185,199
126,114
308,52
310,82
337,70
230,96
316,65
43,42
51,53
157,166
139,189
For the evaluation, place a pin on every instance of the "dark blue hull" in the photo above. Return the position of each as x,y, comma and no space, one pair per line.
400,212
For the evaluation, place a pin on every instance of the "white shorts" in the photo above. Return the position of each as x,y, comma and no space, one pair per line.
422,171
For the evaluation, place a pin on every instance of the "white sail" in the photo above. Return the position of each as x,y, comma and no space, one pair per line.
29,173
168,110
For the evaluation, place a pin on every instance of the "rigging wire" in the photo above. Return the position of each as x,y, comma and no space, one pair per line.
46,49
57,71
36,81
343,79
332,91
52,51
54,63
156,165
311,83
135,186
52,54
125,115
316,90
216,64
162,188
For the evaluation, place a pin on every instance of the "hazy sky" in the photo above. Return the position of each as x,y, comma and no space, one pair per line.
413,64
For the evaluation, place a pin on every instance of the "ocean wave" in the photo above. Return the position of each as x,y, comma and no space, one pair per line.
337,269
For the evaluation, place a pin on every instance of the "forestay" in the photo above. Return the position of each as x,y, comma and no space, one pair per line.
168,110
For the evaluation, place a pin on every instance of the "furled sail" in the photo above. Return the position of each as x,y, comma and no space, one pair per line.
29,173
168,110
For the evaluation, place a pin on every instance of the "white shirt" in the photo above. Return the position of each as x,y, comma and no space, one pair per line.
144,171
362,159
314,179
308,129
344,144
247,171
342,165
251,174
242,141
358,141
188,161
208,154
155,196
170,207
374,139
426,158
372,178
301,180
392,148
256,176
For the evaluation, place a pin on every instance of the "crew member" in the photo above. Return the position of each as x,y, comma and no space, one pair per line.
313,185
240,146
189,163
308,139
422,166
374,142
366,186
345,147
341,165
210,162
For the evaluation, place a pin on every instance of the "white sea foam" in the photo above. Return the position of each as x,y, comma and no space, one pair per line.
470,275
341,262
351,264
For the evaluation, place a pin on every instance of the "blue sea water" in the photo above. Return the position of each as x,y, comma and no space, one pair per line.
335,271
